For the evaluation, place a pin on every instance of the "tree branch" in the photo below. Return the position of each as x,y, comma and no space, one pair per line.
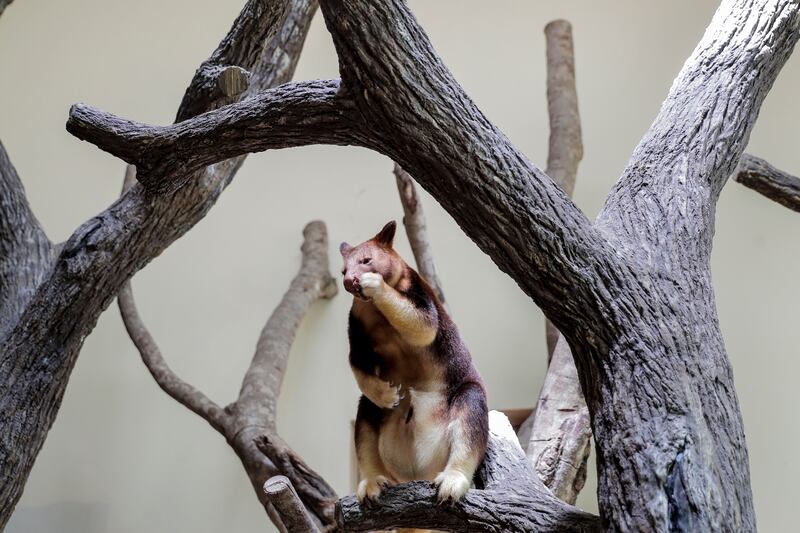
284,498
249,423
25,250
511,498
294,114
179,390
769,181
417,230
662,209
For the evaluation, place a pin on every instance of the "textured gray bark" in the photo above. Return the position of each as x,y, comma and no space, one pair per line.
509,498
417,230
25,250
773,183
632,293
39,351
249,422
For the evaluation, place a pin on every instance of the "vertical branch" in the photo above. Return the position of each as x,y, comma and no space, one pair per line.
566,148
560,427
417,230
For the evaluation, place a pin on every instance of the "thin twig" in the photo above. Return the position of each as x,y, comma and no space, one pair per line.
417,230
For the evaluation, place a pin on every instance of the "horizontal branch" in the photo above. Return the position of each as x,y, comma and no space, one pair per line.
294,114
512,499
771,182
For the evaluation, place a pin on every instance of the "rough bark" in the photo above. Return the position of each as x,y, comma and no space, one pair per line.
250,420
771,182
509,498
559,440
417,230
39,352
25,250
294,114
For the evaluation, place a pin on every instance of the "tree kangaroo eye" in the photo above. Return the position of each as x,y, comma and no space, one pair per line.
366,261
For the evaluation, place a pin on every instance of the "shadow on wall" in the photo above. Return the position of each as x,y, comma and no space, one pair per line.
65,517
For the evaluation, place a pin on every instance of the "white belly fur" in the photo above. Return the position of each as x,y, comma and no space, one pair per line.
420,448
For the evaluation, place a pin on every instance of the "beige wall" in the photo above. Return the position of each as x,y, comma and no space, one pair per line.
123,457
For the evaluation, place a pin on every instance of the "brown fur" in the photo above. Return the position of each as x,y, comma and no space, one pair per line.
423,414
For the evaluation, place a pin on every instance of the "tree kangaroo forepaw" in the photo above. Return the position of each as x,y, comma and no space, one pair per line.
370,488
384,394
452,485
371,284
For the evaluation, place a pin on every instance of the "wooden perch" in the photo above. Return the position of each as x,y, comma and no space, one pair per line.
509,498
248,424
769,181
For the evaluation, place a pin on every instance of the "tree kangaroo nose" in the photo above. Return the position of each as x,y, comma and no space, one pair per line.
351,283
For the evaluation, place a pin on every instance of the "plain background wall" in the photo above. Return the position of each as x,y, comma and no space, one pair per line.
124,457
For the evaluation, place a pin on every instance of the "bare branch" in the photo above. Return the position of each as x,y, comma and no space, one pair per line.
283,497
510,497
169,382
262,382
771,182
417,230
294,114
662,209
25,250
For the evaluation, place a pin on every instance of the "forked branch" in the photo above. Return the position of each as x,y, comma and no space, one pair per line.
249,423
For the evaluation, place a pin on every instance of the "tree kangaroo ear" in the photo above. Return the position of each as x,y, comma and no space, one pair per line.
386,235
344,248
